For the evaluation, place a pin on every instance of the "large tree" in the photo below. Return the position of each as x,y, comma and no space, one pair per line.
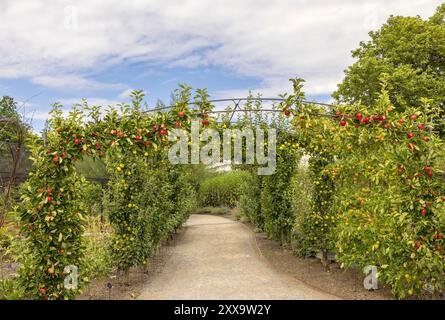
8,110
411,51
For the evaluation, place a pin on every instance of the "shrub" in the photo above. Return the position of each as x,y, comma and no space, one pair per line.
224,189
10,289
275,199
390,196
98,261
92,195
381,182
301,193
249,204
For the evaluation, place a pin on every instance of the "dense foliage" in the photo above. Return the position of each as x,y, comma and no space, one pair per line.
371,190
146,200
222,189
411,51
362,180
390,195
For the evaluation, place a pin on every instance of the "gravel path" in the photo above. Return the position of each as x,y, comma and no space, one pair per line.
217,258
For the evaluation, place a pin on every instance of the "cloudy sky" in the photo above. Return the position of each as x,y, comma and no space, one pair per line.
56,50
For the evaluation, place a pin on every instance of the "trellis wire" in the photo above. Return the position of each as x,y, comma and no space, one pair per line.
237,102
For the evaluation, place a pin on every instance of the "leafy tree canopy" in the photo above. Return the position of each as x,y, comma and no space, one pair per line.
411,51
8,107
8,110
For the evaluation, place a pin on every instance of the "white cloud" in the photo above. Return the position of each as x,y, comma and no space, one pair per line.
36,115
174,79
55,44
91,101
74,82
125,94
34,112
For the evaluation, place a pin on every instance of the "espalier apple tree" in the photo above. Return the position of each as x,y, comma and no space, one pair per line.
143,204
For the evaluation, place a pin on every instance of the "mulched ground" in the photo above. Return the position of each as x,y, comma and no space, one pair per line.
129,286
343,284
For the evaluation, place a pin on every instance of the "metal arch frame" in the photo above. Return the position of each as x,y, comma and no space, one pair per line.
237,101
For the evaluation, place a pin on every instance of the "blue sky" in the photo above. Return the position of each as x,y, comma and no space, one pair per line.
67,50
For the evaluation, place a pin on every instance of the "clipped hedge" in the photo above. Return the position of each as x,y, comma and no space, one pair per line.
249,205
224,189
276,208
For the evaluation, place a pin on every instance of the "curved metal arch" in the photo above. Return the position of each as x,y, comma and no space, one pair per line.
237,102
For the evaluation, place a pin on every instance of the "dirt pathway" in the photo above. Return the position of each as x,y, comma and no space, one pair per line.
217,258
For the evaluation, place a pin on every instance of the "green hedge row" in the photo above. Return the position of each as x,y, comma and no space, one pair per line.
223,189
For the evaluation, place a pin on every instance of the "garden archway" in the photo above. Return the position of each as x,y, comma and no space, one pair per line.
52,219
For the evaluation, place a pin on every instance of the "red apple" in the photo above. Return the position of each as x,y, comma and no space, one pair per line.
181,114
401,121
76,141
359,116
287,113
421,126
413,117
343,123
163,132
205,122
410,135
